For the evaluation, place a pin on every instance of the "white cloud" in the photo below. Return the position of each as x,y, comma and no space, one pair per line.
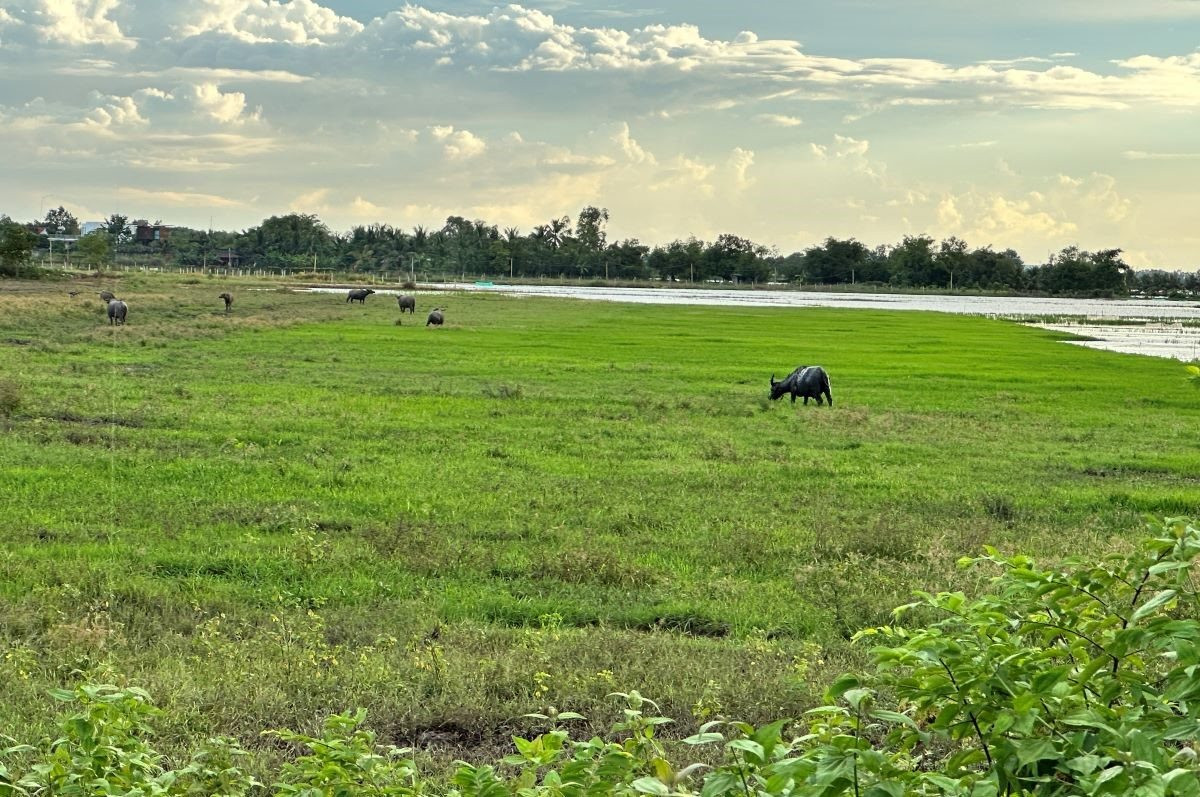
780,120
80,22
992,217
176,198
1139,155
226,108
740,162
301,22
114,112
845,146
633,151
458,145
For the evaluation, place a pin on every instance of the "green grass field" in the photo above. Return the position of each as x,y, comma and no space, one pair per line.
303,507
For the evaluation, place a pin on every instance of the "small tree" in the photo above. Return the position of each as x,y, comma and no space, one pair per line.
61,221
95,248
16,246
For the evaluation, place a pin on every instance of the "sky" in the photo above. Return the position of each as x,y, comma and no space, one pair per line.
1025,125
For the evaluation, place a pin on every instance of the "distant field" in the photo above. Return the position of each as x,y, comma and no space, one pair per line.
303,507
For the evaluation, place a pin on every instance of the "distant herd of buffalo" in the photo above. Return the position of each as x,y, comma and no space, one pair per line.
807,381
119,310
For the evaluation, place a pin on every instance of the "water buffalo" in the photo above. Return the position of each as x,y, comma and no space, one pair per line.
807,381
228,297
408,303
117,310
359,295
106,296
435,318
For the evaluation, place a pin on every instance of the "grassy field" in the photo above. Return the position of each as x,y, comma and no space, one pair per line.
303,507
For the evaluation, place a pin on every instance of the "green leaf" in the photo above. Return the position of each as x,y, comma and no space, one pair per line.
1086,764
885,788
1154,603
1183,782
1043,681
855,697
749,746
1163,567
720,783
893,716
839,687
704,738
1030,750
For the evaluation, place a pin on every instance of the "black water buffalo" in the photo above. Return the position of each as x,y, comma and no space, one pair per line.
435,318
106,296
359,295
117,310
228,297
807,381
408,303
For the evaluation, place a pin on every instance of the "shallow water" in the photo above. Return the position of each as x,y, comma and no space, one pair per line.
1159,337
1153,340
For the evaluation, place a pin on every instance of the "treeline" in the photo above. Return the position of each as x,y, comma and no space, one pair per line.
581,249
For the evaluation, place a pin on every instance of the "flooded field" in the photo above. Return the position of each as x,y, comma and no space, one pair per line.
1150,327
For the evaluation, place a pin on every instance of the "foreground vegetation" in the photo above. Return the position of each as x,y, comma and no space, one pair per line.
1059,682
273,516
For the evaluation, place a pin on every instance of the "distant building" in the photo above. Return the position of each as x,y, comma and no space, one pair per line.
91,226
229,259
144,232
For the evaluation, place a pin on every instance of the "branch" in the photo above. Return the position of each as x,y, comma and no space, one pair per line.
978,731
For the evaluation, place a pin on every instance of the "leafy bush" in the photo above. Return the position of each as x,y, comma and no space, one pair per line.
1079,680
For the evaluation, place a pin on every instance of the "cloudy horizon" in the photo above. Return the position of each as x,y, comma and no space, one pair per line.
1015,126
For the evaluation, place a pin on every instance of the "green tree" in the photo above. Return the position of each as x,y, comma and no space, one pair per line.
835,262
732,257
291,241
589,229
61,221
95,248
1109,272
626,259
951,263
117,227
16,246
911,263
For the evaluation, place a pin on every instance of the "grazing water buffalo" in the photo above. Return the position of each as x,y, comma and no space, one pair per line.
435,318
106,296
228,297
408,303
807,381
359,295
117,310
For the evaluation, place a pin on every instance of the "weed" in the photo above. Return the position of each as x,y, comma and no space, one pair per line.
11,397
